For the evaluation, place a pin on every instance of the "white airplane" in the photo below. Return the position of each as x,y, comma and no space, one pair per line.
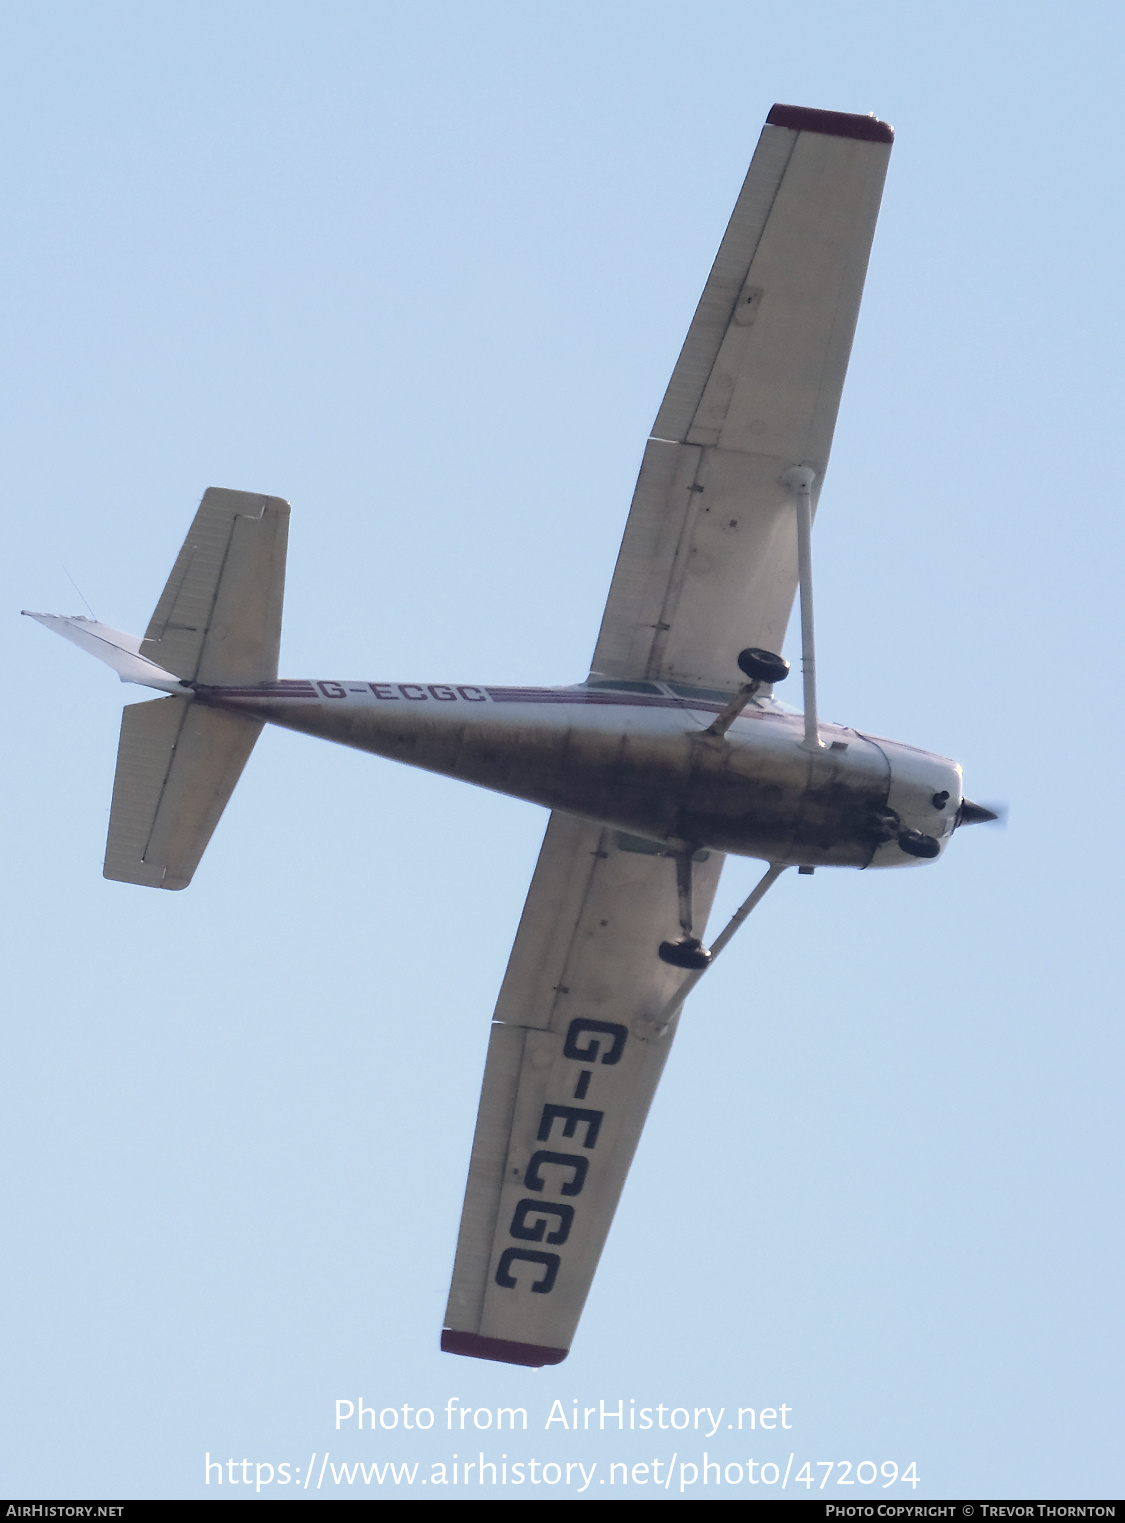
672,753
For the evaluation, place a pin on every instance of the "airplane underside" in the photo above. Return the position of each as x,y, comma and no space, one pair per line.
642,763
663,752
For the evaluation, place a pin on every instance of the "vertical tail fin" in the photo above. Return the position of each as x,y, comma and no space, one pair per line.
219,617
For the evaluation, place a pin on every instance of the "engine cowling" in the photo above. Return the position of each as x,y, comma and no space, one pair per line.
923,801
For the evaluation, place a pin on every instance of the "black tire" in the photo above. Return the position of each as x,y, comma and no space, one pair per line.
915,844
689,954
762,665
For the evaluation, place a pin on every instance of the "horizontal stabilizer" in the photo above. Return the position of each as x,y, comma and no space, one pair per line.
113,646
177,764
219,618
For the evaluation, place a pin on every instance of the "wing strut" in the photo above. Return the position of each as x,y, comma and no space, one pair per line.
799,480
725,936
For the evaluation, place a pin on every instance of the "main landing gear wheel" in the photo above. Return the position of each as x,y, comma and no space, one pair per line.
688,953
762,665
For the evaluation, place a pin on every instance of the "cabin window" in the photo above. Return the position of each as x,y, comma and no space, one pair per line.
706,694
627,687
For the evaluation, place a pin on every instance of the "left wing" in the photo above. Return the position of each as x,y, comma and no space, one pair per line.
573,1062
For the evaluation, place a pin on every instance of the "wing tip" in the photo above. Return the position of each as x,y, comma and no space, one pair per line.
868,129
475,1346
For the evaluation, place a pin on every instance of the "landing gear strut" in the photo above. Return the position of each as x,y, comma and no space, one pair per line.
772,873
759,666
689,952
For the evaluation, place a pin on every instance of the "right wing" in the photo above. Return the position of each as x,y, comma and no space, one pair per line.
708,564
573,1063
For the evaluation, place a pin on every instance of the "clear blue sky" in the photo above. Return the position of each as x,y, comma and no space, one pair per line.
424,271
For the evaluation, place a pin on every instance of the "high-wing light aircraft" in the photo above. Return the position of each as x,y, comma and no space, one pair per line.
672,752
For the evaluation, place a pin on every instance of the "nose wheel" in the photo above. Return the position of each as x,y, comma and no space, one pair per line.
916,844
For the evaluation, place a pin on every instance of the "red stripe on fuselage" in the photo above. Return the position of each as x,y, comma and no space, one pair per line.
419,691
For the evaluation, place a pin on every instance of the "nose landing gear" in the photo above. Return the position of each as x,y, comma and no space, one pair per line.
916,844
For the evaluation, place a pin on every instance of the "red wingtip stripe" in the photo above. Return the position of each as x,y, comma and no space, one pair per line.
500,1349
869,129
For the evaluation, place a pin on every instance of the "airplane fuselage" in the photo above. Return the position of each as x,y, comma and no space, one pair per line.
636,756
